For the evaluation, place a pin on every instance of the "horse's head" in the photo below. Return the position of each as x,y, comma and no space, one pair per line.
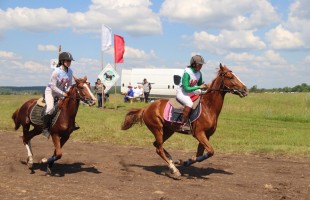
84,92
231,83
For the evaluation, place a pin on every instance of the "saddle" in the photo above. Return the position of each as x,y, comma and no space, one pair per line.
174,110
38,111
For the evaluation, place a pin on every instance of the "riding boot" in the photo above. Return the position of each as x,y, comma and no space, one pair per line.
76,126
186,111
47,120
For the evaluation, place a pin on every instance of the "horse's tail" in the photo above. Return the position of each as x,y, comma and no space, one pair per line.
16,119
133,117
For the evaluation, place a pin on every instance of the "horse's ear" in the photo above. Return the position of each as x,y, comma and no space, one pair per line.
221,66
85,78
75,78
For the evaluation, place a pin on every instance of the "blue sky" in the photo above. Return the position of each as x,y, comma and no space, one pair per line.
266,43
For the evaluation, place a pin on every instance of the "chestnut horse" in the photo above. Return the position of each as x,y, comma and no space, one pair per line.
202,129
63,127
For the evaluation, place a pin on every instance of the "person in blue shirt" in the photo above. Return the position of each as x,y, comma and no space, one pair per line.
129,94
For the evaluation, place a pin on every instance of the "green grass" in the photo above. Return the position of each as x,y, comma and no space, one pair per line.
276,124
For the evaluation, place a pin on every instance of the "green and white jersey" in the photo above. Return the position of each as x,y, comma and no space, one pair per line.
191,80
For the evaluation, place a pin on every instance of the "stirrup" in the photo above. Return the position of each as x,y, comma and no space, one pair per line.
185,127
46,133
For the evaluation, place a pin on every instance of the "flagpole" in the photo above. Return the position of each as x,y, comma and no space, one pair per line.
116,101
102,90
106,35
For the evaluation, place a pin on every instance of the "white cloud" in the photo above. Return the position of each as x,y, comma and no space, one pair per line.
34,66
300,9
281,38
307,59
227,40
35,20
48,47
269,59
8,55
133,17
245,14
299,21
133,53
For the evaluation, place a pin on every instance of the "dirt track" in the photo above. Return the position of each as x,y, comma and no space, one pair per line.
103,171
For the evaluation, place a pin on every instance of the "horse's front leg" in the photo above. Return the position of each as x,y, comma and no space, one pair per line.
204,144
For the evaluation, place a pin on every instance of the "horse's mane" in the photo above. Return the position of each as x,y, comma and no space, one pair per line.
217,74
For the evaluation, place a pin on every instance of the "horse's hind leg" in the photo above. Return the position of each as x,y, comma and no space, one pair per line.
30,154
27,143
162,152
167,134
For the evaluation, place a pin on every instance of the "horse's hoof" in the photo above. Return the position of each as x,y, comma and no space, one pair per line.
178,162
43,161
48,172
175,175
30,163
187,163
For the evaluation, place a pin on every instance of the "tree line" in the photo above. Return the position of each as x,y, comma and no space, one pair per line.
36,90
298,88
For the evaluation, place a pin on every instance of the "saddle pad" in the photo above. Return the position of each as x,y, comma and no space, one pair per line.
37,113
172,114
178,105
41,102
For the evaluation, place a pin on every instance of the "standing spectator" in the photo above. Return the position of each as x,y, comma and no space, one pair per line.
147,89
99,89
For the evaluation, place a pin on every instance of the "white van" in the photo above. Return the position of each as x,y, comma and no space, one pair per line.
163,81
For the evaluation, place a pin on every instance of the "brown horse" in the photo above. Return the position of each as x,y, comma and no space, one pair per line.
202,129
63,127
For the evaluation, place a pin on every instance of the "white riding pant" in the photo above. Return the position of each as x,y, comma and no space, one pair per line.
49,100
184,97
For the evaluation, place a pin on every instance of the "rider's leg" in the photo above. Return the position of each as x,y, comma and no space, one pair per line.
186,112
47,119
184,98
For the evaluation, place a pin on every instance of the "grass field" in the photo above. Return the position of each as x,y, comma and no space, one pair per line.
260,123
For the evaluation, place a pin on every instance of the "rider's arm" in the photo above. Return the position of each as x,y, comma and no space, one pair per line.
185,83
69,84
53,82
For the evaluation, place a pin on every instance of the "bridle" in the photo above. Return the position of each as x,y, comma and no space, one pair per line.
225,88
80,97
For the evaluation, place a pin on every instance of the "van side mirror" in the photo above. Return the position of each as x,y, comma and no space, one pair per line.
176,79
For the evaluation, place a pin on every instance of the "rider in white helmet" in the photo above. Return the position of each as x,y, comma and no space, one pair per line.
191,84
